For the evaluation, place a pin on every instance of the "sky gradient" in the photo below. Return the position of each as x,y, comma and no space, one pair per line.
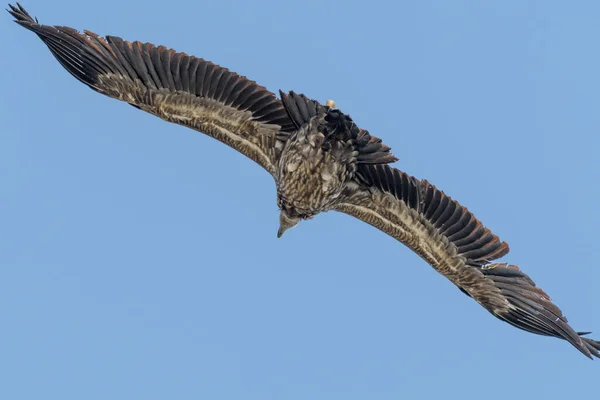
139,259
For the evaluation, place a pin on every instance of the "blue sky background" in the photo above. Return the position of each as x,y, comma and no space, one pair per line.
139,259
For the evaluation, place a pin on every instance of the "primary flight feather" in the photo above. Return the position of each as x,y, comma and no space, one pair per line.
320,160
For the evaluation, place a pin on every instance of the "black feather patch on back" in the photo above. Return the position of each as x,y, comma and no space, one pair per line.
473,241
89,57
370,148
302,109
372,151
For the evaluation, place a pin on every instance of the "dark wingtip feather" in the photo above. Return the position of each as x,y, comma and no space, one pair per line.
593,346
63,43
532,310
21,15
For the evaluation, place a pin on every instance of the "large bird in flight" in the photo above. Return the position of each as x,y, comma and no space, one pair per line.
320,160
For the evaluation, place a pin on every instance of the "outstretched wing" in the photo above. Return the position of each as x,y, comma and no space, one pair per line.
173,86
457,245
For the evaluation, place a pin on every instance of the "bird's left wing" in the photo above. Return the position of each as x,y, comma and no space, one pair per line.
457,245
173,86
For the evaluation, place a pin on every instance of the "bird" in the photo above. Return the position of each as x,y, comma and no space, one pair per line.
320,160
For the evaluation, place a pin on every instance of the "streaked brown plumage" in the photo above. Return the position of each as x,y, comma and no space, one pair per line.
320,161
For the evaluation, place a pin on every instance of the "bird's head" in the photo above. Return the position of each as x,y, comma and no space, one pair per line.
289,217
287,221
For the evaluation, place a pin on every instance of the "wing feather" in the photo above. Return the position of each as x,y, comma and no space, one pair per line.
456,244
173,86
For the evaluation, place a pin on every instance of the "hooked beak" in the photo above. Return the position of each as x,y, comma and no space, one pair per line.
280,232
285,223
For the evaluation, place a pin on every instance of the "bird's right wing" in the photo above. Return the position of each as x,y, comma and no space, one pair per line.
173,86
458,246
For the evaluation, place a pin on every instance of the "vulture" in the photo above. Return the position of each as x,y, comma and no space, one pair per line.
320,161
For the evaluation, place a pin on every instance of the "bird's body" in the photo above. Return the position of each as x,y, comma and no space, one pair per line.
311,177
320,161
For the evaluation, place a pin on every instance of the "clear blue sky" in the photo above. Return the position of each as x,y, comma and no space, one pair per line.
139,259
